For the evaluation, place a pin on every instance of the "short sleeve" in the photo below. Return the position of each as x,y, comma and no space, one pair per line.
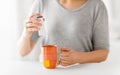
101,28
36,8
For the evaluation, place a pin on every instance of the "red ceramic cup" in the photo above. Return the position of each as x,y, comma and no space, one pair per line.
49,56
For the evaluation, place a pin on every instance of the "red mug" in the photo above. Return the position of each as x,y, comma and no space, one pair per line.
50,55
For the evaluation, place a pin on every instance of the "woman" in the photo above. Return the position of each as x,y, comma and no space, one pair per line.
78,26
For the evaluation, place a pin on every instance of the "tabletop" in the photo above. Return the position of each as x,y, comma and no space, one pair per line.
110,67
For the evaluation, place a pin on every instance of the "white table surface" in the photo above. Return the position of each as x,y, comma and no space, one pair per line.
110,67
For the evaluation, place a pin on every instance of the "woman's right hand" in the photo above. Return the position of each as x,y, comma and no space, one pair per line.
33,24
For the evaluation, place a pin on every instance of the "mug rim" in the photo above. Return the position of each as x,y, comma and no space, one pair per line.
49,46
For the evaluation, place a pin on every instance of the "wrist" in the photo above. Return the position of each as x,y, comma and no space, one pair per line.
82,57
27,34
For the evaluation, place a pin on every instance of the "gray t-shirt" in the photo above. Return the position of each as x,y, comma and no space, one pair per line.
82,29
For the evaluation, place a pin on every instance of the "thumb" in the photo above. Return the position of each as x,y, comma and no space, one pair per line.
64,50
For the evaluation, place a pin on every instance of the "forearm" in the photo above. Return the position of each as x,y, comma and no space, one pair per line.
25,45
33,24
93,57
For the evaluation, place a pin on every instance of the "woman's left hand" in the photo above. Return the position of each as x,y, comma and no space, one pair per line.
69,57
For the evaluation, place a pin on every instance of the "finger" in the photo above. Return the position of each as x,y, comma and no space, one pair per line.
63,61
37,25
38,28
36,14
64,58
64,64
31,25
32,29
35,20
28,22
64,54
64,50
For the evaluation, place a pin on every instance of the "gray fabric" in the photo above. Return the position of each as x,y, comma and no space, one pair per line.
81,29
34,37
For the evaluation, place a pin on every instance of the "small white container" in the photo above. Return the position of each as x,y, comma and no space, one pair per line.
42,29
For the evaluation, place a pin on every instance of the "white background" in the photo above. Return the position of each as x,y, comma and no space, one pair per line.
8,29
12,16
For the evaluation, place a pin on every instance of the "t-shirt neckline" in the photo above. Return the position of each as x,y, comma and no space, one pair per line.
73,10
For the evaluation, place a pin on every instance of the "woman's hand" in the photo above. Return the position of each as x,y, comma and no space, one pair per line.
25,44
33,24
69,57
